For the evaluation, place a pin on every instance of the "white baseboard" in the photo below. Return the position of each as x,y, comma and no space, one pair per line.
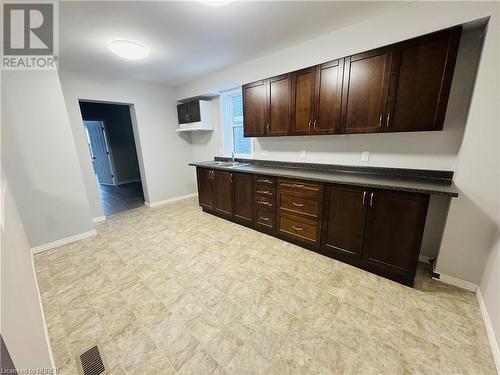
495,350
98,219
63,241
424,259
166,201
467,285
46,330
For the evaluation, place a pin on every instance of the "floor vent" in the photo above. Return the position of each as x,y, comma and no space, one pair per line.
92,362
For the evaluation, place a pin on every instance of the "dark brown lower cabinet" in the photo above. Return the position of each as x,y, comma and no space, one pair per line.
378,230
242,197
223,193
204,177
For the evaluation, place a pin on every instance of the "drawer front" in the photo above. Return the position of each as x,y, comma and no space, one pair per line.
264,201
295,204
298,228
266,190
265,217
307,189
264,180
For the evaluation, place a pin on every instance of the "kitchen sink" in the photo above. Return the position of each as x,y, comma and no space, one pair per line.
227,164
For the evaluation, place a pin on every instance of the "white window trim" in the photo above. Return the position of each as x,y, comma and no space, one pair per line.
252,141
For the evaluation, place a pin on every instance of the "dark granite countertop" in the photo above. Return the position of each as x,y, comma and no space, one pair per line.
418,181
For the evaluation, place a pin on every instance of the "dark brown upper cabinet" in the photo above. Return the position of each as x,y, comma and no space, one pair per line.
316,99
397,88
189,112
366,84
328,97
422,71
254,109
278,106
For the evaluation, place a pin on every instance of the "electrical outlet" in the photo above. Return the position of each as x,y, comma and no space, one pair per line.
303,154
365,156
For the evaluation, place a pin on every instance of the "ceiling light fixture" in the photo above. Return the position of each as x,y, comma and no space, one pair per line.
216,3
128,49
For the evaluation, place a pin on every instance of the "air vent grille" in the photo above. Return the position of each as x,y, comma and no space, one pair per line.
91,362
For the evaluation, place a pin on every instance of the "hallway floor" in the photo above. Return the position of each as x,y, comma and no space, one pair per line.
171,290
115,199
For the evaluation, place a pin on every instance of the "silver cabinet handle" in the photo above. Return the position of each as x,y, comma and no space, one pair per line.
298,185
380,121
264,180
265,218
264,203
371,199
267,127
364,197
387,122
297,228
314,124
298,204
231,178
263,192
310,121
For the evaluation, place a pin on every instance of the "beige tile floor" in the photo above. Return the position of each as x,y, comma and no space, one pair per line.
174,290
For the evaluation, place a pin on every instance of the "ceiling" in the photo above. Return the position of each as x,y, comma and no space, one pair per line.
189,39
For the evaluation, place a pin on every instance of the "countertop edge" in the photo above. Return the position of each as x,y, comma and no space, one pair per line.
452,194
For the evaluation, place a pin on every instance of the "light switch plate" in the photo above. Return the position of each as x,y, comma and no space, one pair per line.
303,154
365,156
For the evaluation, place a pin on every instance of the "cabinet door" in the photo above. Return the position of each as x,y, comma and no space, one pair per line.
344,222
421,80
393,233
303,98
279,98
254,109
223,193
366,82
182,113
329,97
194,111
243,197
205,187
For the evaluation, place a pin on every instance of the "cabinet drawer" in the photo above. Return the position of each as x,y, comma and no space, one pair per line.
264,201
297,227
265,217
263,189
264,180
300,205
306,189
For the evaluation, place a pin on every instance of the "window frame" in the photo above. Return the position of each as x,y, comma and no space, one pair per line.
229,123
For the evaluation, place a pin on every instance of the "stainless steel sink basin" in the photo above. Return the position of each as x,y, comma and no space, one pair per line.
227,164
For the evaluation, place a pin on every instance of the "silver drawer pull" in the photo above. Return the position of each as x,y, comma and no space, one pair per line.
265,218
264,180
263,192
298,185
296,228
298,204
264,203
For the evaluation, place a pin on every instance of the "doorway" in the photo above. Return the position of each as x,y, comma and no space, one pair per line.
111,143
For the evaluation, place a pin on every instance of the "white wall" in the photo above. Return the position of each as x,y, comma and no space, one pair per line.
22,325
162,152
39,157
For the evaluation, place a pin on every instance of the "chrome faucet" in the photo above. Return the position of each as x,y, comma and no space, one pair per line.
232,157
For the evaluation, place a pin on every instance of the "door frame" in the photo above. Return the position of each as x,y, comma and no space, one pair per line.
109,150
135,131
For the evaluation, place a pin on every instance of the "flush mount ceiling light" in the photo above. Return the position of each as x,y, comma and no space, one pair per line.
128,49
216,3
